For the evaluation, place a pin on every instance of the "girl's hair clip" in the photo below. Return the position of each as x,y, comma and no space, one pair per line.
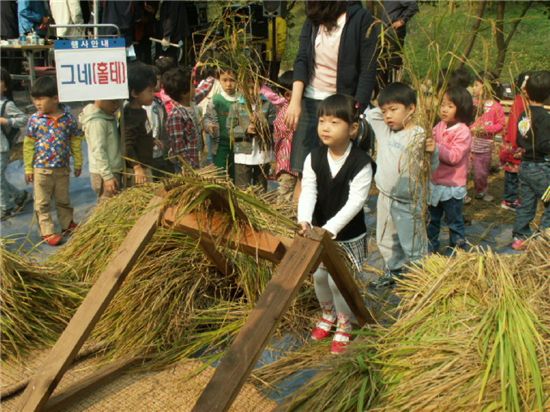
525,81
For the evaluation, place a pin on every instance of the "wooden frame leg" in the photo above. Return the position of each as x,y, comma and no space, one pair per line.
100,295
343,278
241,357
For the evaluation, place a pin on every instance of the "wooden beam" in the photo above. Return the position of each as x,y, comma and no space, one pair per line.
100,295
223,264
213,226
343,278
241,357
84,386
19,386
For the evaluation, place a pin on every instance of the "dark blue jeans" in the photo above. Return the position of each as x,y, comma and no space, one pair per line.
534,178
306,137
511,183
452,209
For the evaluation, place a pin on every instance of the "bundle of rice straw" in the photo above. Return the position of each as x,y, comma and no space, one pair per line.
473,335
36,303
174,304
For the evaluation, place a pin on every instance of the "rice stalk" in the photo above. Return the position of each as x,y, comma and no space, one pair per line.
36,303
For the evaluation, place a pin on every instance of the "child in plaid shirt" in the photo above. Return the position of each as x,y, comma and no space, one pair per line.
52,137
183,126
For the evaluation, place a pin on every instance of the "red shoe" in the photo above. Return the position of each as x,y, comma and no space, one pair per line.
519,244
340,343
70,229
53,240
322,329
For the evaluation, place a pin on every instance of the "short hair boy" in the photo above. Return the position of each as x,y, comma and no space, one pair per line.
534,172
138,136
251,134
104,152
182,124
52,137
400,231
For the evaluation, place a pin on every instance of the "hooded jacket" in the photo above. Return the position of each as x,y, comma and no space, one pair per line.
104,152
356,71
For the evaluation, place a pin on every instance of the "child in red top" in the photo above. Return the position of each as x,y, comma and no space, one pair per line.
510,154
283,144
489,121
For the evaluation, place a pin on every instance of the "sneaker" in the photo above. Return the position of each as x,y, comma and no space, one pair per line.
519,244
21,203
487,198
508,205
322,329
467,200
479,196
53,240
70,229
385,281
340,343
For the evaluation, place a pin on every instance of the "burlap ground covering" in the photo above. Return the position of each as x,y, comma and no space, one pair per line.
174,389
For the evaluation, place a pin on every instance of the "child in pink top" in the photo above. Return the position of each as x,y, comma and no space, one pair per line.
490,120
282,139
453,140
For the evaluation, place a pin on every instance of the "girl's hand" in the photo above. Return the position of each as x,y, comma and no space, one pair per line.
430,145
304,228
29,178
293,114
77,172
4,121
251,129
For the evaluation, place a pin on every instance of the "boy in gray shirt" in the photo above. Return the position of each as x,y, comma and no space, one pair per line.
400,229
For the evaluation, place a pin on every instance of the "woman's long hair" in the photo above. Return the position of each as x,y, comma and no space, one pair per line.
325,13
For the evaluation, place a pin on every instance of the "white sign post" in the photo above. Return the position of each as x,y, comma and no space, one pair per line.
91,69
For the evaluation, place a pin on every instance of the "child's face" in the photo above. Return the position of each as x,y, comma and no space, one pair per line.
477,89
145,97
46,105
335,132
396,115
228,83
447,111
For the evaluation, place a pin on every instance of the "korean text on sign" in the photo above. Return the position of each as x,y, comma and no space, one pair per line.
91,69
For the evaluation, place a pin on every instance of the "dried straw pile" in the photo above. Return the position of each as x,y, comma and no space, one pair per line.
473,335
35,302
174,303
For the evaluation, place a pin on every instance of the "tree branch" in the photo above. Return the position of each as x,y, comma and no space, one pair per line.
516,23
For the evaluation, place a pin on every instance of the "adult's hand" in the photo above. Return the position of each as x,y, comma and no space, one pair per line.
293,114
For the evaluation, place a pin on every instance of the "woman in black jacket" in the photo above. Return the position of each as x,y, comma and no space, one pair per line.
337,54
